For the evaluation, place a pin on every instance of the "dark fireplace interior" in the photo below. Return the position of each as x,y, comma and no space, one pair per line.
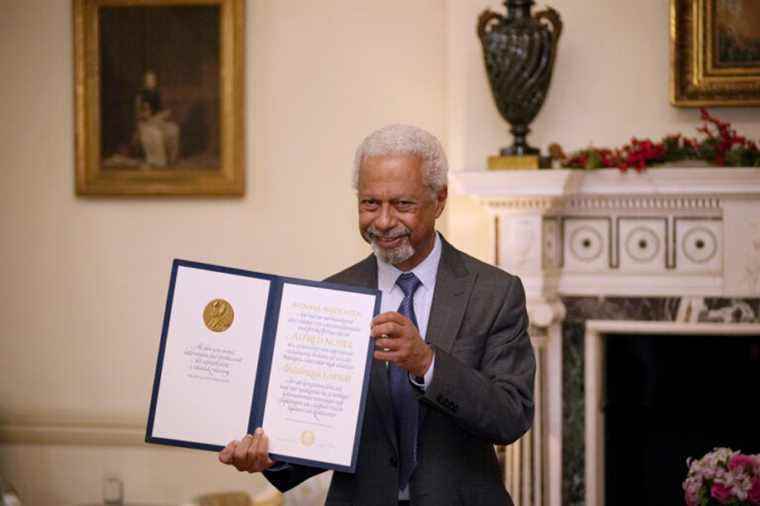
669,397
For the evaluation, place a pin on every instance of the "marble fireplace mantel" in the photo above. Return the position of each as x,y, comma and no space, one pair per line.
686,233
665,231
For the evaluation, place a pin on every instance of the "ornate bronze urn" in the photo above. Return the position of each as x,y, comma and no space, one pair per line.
519,51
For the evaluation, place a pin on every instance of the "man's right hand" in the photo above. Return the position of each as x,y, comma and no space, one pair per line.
251,454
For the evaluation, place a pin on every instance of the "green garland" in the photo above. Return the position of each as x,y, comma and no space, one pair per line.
722,146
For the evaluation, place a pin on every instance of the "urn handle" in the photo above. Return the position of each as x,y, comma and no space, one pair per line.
486,17
554,20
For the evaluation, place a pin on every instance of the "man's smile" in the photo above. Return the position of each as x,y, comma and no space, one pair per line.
389,242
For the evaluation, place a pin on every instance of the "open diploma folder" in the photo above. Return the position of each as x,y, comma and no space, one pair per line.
241,350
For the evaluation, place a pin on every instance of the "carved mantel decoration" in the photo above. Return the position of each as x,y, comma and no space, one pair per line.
672,234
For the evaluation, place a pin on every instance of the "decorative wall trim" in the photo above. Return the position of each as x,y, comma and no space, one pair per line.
600,327
639,203
648,235
79,434
531,203
497,241
604,202
609,237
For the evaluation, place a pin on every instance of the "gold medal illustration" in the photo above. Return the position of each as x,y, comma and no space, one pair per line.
218,315
307,438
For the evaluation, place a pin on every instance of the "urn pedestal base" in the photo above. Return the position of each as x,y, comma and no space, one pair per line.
518,162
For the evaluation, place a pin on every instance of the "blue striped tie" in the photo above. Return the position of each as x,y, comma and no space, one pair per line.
405,406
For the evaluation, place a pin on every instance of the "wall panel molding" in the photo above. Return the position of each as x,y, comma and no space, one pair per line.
82,433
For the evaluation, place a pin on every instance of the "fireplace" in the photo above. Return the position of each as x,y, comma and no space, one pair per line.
669,396
647,260
656,393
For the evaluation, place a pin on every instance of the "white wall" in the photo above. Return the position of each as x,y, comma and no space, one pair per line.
84,280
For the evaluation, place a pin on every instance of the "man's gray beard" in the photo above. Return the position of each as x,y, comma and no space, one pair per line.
394,256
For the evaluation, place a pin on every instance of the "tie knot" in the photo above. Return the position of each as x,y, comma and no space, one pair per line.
408,283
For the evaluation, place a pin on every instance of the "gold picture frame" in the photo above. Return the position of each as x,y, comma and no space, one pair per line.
159,92
715,53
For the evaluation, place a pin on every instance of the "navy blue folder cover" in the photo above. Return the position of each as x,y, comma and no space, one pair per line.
265,361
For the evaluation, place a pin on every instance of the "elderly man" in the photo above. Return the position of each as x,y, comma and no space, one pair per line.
454,367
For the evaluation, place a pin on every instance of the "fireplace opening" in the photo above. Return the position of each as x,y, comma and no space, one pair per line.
669,397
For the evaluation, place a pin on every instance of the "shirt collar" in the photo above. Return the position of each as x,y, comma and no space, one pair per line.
426,271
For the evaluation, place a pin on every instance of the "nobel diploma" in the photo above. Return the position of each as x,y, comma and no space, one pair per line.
241,350
318,366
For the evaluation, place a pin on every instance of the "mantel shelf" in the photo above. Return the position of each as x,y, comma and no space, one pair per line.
566,182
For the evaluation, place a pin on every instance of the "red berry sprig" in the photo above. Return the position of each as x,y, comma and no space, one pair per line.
721,146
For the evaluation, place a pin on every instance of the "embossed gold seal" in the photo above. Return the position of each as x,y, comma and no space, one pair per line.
307,438
218,315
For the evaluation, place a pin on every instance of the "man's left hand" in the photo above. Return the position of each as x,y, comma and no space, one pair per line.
397,340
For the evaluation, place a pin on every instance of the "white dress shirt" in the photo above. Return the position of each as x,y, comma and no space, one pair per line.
426,271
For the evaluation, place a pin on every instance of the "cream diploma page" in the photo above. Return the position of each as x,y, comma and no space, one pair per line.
211,357
318,367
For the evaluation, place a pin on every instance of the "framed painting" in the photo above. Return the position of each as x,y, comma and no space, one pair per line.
159,97
715,52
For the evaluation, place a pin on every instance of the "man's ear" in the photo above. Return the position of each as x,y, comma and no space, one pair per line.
440,200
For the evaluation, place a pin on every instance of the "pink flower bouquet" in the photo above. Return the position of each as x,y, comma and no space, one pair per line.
723,476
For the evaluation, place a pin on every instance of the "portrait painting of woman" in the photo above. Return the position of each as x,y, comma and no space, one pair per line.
160,87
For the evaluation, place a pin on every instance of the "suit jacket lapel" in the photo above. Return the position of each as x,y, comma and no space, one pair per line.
452,291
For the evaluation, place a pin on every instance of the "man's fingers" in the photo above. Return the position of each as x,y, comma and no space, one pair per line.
240,455
390,316
263,444
255,454
262,460
386,329
225,456
388,344
250,454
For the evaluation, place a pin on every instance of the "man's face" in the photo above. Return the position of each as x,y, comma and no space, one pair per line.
397,212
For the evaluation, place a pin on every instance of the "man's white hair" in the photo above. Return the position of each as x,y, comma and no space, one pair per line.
406,140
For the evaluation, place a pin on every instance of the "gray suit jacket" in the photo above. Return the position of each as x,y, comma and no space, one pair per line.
481,394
